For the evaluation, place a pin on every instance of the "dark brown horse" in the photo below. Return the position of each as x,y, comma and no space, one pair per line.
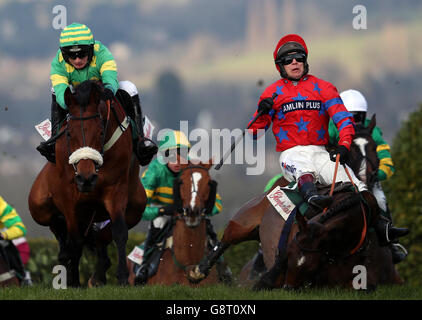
194,195
95,178
258,220
8,276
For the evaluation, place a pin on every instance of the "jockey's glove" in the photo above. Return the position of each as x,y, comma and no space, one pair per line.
167,210
343,151
266,105
107,94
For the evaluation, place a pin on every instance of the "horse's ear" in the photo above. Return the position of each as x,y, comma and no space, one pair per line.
301,222
209,163
96,92
183,166
373,123
69,99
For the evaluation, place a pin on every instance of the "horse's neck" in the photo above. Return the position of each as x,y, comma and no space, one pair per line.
189,244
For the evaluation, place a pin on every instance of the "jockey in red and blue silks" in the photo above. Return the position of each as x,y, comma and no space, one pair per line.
299,106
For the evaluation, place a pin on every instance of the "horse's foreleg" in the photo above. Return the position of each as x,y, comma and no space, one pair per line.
120,236
202,270
58,227
103,263
74,252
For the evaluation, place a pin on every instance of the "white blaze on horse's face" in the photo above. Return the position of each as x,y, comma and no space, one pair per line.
361,143
301,261
196,176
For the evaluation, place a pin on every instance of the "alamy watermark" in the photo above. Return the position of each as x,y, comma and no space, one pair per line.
215,145
360,280
60,281
360,19
60,18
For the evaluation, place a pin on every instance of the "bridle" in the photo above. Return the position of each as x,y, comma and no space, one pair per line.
95,155
71,117
184,210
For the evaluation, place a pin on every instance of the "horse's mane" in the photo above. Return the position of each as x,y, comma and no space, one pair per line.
339,207
83,91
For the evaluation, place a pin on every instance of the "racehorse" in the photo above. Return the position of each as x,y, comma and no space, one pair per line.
8,276
258,220
95,179
194,195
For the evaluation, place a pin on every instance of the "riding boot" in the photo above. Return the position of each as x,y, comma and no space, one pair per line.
310,194
58,114
386,233
141,275
398,252
224,272
143,152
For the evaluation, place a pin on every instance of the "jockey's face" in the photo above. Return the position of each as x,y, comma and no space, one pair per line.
295,69
175,165
79,63
176,159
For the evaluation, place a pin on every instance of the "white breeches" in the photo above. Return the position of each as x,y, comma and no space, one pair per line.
314,160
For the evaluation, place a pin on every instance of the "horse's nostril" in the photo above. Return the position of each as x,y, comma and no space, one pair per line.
86,182
93,179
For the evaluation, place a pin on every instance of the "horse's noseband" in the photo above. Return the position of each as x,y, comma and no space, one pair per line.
86,152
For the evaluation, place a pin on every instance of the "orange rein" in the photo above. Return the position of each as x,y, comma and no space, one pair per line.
363,234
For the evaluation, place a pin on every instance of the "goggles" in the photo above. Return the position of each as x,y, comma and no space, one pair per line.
76,52
288,59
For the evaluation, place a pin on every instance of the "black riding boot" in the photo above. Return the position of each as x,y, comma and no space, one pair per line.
58,114
310,194
143,152
141,276
386,233
224,272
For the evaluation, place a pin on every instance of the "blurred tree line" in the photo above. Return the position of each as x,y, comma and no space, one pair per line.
404,193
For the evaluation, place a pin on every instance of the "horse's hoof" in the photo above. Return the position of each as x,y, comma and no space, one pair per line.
94,283
262,285
194,275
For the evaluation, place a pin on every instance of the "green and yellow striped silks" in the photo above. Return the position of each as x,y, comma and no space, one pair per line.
76,34
174,139
10,221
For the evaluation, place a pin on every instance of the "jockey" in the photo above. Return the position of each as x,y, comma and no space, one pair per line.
299,106
356,103
12,228
158,181
78,59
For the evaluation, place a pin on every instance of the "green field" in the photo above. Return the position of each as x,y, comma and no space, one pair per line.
215,292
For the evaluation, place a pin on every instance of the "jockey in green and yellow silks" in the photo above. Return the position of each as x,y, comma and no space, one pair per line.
11,224
158,180
355,103
78,59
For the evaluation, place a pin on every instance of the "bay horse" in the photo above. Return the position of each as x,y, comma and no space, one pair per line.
8,276
194,195
258,220
95,179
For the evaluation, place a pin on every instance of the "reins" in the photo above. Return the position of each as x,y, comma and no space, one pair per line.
364,229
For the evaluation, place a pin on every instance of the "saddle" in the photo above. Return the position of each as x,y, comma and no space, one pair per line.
301,206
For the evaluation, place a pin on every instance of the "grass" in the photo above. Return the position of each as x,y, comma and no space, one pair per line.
215,292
